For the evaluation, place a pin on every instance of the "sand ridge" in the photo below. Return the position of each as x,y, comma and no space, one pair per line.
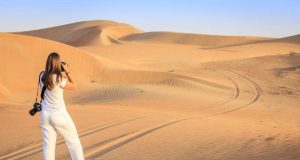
189,38
86,33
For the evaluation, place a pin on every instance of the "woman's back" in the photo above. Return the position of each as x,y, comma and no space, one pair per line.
54,98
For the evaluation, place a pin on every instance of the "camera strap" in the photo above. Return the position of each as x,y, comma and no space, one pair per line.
43,92
43,89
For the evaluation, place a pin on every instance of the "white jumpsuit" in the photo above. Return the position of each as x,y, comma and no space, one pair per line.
54,117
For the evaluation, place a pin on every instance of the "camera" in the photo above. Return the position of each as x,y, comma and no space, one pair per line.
36,108
62,68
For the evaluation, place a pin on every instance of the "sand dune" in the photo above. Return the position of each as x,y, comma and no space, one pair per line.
28,55
170,57
158,95
287,40
93,33
89,69
189,39
86,33
292,39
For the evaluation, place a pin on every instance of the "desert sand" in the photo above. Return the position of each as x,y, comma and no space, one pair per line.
156,95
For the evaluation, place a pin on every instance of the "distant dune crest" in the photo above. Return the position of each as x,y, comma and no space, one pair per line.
87,33
93,33
101,32
188,38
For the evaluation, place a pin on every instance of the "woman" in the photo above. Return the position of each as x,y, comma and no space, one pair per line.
54,116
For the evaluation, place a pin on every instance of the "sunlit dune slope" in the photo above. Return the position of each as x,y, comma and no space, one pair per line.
23,57
188,38
86,33
101,32
290,39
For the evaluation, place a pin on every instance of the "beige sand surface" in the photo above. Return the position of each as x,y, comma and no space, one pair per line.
156,95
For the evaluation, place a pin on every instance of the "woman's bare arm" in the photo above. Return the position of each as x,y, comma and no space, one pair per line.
71,85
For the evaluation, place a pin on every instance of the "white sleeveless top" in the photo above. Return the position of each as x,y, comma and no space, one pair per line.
54,98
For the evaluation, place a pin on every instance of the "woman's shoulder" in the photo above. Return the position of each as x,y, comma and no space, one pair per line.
41,75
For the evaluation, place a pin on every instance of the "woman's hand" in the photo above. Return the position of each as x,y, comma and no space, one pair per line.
66,67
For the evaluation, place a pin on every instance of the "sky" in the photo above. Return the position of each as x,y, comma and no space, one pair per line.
268,18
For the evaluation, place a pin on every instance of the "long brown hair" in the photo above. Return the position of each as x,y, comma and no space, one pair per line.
53,67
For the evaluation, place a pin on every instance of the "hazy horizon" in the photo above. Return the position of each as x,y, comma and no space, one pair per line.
247,18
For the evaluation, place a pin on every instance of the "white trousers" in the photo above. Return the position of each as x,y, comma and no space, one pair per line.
53,120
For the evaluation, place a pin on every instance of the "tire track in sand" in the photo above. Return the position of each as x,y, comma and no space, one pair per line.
37,147
256,96
122,140
235,89
97,152
108,147
235,93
